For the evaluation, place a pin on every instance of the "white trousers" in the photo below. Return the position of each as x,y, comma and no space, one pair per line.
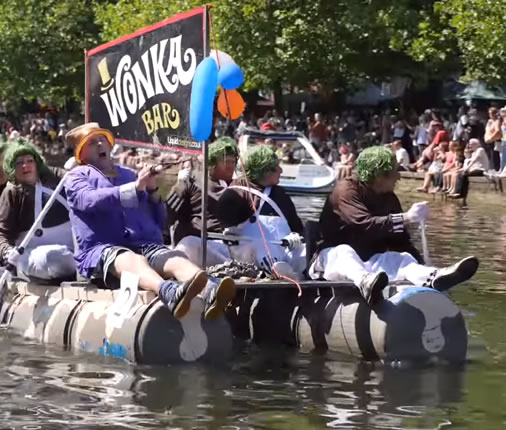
248,252
217,251
47,262
342,263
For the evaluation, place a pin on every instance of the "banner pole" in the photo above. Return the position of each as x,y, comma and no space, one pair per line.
86,119
204,161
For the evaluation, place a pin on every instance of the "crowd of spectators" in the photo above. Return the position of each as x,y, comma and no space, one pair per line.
448,147
46,129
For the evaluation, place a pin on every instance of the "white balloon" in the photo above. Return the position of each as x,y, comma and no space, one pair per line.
223,57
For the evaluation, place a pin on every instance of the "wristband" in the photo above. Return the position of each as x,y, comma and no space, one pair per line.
152,190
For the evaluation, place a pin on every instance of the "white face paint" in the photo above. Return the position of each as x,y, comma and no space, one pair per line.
434,309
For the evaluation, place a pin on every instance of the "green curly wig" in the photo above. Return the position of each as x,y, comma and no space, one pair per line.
375,161
17,149
221,148
260,161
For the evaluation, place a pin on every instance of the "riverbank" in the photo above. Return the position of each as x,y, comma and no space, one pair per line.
479,184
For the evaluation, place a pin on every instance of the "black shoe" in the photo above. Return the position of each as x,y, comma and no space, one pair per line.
217,295
372,285
447,277
177,296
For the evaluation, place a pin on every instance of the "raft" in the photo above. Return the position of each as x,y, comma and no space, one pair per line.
412,323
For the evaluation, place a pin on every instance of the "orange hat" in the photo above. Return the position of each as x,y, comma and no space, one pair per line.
79,136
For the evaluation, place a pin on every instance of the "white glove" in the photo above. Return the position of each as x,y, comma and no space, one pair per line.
418,213
13,257
184,174
295,241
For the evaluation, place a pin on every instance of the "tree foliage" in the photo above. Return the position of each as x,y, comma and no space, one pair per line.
42,46
334,44
454,36
330,43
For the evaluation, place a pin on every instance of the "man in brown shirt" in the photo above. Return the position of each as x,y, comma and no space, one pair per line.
184,203
364,233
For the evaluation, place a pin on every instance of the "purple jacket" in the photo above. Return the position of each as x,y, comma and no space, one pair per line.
109,211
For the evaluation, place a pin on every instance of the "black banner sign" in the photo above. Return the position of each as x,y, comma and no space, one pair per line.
139,86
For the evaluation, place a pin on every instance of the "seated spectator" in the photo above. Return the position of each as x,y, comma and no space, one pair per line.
118,218
442,181
346,162
462,163
49,254
479,161
478,164
401,132
426,158
401,156
435,167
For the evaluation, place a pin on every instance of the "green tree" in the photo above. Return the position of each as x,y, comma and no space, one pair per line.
42,46
468,35
334,44
126,16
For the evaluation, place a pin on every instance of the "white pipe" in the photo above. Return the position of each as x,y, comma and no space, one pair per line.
425,246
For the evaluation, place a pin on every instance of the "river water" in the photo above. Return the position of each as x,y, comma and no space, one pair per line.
47,388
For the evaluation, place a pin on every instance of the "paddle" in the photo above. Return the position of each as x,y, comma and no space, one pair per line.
35,228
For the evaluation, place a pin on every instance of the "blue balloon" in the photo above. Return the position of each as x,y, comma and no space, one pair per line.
204,85
231,76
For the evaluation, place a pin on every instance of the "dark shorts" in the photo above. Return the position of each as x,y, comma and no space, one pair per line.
157,255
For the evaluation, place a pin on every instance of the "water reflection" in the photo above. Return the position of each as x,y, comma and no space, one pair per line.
275,390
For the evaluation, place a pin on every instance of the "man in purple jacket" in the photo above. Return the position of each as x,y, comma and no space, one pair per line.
118,218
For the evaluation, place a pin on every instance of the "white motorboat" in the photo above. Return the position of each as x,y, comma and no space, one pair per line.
304,171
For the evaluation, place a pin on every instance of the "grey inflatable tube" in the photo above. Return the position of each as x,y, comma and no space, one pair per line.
410,324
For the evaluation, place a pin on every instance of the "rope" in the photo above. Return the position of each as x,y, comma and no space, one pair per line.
241,162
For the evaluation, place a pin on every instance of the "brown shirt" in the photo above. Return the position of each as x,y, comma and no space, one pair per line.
184,208
370,223
17,206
